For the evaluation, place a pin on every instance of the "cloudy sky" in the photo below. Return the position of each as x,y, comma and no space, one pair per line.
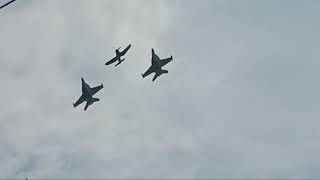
241,99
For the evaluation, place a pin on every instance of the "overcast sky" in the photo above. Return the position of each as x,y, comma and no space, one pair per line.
241,99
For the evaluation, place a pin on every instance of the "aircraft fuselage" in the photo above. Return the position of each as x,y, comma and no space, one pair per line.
157,65
87,93
118,54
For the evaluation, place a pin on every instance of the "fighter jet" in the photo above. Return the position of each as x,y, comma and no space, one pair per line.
87,93
156,66
118,56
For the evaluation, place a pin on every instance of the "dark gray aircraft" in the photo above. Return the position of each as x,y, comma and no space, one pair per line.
87,93
156,66
118,56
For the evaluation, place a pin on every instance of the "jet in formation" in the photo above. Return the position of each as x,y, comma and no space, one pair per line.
119,54
156,66
87,94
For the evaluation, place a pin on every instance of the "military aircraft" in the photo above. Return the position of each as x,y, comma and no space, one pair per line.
118,56
7,4
156,66
87,93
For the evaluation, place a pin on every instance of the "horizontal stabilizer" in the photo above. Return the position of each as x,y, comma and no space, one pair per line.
87,105
120,62
95,99
155,77
164,71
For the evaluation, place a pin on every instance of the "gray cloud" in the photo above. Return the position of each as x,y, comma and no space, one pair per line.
240,99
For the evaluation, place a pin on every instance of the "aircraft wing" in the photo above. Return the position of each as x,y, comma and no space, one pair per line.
165,61
79,101
125,50
148,72
96,89
111,61
7,4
